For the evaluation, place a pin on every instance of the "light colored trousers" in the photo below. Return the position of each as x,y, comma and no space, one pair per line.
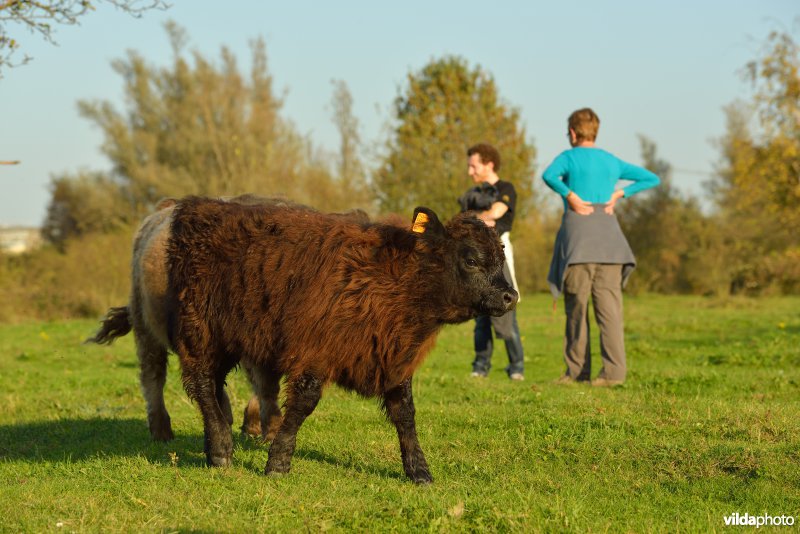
603,282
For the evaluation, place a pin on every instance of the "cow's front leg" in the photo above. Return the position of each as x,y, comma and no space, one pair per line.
399,405
302,397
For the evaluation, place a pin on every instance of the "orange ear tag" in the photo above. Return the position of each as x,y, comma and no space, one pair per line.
419,223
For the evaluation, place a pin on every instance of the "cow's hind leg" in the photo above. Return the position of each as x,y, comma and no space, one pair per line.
152,376
201,385
302,397
262,416
399,405
251,423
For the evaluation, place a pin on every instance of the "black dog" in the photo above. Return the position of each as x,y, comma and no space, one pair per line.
478,198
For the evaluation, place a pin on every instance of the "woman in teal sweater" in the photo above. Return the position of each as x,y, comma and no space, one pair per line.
591,255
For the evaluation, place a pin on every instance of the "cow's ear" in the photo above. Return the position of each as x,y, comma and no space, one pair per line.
426,223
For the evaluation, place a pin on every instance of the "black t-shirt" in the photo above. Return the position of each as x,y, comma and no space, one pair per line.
508,196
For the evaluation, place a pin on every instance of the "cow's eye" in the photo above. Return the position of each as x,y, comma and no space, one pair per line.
471,262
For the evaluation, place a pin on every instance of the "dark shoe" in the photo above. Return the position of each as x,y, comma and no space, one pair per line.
601,382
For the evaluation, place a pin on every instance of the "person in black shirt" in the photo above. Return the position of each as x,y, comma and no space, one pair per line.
494,200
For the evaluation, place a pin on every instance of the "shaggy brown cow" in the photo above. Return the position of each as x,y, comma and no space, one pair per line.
145,314
319,299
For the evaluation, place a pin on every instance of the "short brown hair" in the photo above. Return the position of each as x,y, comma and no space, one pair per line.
487,153
585,123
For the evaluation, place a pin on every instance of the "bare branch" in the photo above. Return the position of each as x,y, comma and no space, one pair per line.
40,17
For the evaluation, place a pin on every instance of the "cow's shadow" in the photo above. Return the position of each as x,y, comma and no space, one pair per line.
342,462
347,464
79,439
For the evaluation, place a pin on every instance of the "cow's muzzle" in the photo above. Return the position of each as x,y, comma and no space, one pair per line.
502,302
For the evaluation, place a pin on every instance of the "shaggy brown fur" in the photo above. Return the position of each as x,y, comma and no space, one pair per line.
146,315
318,299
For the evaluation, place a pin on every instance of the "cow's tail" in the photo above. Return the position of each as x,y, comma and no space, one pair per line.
116,323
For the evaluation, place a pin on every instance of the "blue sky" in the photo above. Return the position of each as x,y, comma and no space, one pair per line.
662,69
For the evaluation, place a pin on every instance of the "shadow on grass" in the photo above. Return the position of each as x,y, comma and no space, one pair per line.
82,439
343,462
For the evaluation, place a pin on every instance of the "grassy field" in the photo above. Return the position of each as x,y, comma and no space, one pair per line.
708,424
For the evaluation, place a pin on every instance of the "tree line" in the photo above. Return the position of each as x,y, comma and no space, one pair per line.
205,127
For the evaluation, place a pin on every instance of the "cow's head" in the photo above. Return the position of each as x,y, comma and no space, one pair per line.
469,257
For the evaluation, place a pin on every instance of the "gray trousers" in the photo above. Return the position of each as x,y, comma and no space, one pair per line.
603,282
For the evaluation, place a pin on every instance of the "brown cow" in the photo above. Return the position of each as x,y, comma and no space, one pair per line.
318,299
145,314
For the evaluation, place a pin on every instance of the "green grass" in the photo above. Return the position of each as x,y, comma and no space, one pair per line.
708,424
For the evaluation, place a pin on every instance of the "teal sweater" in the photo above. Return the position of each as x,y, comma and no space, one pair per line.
592,173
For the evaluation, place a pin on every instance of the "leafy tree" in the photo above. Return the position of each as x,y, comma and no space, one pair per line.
192,128
757,189
83,204
38,17
678,248
349,166
196,129
447,107
350,171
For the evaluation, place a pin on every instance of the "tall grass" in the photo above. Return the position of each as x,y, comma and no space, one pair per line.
707,425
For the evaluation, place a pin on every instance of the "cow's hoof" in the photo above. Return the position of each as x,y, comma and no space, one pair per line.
421,478
252,431
162,432
219,461
277,468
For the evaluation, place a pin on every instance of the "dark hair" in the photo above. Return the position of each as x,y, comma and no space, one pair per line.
585,123
487,153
